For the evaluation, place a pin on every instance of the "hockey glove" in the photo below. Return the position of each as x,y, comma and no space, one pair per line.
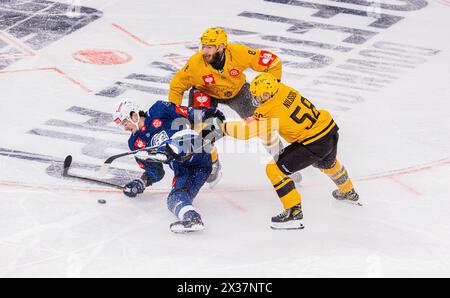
198,116
213,113
151,157
213,119
133,188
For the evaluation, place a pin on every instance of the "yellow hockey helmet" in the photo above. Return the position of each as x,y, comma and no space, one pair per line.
262,83
214,36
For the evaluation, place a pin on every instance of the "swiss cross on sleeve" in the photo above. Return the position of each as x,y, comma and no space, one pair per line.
139,143
182,111
266,58
209,79
201,100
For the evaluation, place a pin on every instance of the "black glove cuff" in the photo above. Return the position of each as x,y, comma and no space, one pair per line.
146,179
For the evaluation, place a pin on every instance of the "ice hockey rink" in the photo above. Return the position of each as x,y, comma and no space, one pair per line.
382,68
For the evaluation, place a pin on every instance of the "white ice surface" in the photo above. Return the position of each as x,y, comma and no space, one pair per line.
395,145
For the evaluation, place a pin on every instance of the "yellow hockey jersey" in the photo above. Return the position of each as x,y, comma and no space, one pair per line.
226,84
288,112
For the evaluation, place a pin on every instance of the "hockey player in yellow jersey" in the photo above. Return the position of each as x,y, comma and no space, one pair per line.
215,75
313,138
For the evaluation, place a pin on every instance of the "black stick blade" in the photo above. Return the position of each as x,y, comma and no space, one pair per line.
67,163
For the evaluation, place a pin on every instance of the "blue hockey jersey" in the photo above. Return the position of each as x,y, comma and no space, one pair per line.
163,120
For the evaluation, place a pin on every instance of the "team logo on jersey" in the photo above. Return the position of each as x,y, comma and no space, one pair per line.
139,143
144,128
182,111
266,58
159,138
209,79
157,123
234,72
201,100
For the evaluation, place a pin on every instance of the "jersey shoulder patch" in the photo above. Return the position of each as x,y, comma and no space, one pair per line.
181,110
135,142
266,58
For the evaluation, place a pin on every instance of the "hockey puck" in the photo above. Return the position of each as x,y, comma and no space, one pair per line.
101,201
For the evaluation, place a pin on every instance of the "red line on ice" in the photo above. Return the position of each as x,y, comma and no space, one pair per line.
169,43
176,43
445,2
54,188
230,202
55,69
141,41
405,186
406,171
72,79
135,37
388,175
63,188
27,50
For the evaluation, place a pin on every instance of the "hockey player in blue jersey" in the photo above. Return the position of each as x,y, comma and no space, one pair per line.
166,126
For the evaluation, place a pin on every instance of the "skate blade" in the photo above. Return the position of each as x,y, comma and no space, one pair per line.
355,203
290,225
215,182
180,229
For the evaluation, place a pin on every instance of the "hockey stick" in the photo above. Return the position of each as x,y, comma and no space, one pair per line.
170,153
205,142
159,156
68,162
106,165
